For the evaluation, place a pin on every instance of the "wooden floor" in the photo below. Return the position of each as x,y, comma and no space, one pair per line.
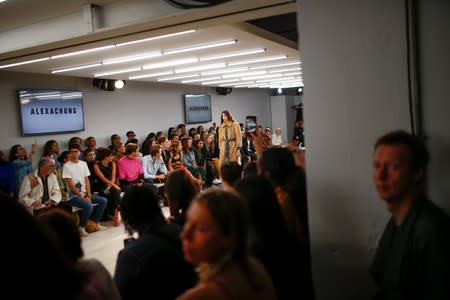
105,245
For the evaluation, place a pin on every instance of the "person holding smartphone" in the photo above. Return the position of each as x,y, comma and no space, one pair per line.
230,138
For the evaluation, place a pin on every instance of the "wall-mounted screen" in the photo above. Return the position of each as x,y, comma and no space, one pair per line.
197,108
45,111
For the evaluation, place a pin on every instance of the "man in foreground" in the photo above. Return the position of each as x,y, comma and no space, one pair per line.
412,259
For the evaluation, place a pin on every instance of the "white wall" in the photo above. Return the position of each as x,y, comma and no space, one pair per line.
434,66
142,107
355,73
354,67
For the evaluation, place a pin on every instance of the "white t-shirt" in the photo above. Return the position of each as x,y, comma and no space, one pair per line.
276,140
78,172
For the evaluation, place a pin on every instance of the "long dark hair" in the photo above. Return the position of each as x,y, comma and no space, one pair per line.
229,116
139,208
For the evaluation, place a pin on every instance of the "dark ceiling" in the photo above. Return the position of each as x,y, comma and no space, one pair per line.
283,25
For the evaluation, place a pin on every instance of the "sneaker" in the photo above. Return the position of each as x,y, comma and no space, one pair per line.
217,181
83,232
101,227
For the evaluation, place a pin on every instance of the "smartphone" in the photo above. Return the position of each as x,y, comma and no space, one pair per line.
250,124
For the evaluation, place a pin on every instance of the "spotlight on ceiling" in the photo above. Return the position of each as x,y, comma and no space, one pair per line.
119,84
108,84
280,91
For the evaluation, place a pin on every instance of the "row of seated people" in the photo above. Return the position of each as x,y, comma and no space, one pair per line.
206,151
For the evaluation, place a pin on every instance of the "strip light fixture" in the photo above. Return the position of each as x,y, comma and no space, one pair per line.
151,75
131,58
171,63
118,72
82,51
199,47
234,54
201,79
224,71
177,77
76,68
24,62
276,65
200,68
256,60
156,37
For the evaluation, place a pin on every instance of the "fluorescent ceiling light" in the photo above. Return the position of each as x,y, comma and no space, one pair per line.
275,80
131,58
253,51
24,62
244,74
118,72
223,71
199,47
200,68
261,77
156,37
82,51
151,75
243,84
177,77
285,70
76,68
276,65
236,83
251,61
218,81
292,73
171,63
201,79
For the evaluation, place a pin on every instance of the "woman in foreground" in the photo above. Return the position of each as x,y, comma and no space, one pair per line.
214,239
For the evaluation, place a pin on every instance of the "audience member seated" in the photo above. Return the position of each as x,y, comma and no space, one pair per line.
176,156
51,149
40,189
99,285
165,153
115,141
91,145
6,175
119,151
76,174
130,170
78,141
36,267
250,169
277,139
22,165
212,159
277,164
215,239
151,264
180,189
270,241
89,158
189,160
230,173
105,170
155,170
131,138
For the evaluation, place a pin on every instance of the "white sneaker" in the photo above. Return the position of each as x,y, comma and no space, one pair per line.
101,227
83,232
217,181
